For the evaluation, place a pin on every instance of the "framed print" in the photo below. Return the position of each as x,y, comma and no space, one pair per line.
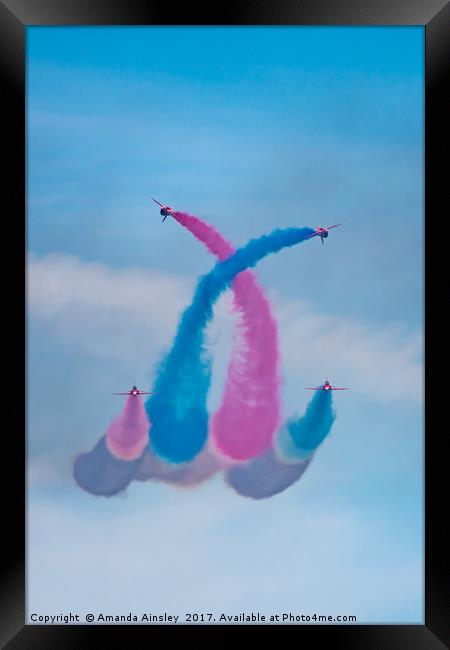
226,369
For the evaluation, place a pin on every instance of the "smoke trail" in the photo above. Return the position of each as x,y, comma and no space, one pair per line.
203,467
99,472
264,476
111,465
178,410
295,446
249,413
300,437
127,436
205,233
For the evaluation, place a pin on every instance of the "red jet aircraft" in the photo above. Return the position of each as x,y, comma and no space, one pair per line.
165,209
322,232
327,386
134,391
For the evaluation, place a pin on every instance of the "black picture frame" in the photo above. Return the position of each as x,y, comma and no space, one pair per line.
434,15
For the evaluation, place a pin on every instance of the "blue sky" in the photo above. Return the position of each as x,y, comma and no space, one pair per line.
251,129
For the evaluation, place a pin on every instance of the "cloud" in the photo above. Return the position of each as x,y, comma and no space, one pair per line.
130,316
52,469
92,329
110,313
381,362
205,550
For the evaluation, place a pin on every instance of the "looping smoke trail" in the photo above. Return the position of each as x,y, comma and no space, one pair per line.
178,410
249,412
295,446
127,436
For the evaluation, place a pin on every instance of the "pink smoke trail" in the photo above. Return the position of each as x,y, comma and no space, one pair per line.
245,423
127,436
191,474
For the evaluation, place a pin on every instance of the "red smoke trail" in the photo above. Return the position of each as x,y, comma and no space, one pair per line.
249,414
127,436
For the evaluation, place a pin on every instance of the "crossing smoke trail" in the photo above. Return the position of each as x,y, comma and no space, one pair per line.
178,410
252,378
249,412
117,458
295,446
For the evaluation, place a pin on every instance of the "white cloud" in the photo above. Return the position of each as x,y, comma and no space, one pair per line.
109,313
384,363
208,550
130,316
125,316
164,549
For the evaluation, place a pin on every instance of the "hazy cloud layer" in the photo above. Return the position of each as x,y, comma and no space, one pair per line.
122,550
129,314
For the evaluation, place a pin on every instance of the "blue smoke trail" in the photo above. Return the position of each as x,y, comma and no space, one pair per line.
264,476
178,409
284,464
300,437
101,473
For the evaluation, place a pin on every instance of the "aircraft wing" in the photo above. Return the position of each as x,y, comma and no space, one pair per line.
128,393
157,202
314,234
319,388
141,393
335,226
333,388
